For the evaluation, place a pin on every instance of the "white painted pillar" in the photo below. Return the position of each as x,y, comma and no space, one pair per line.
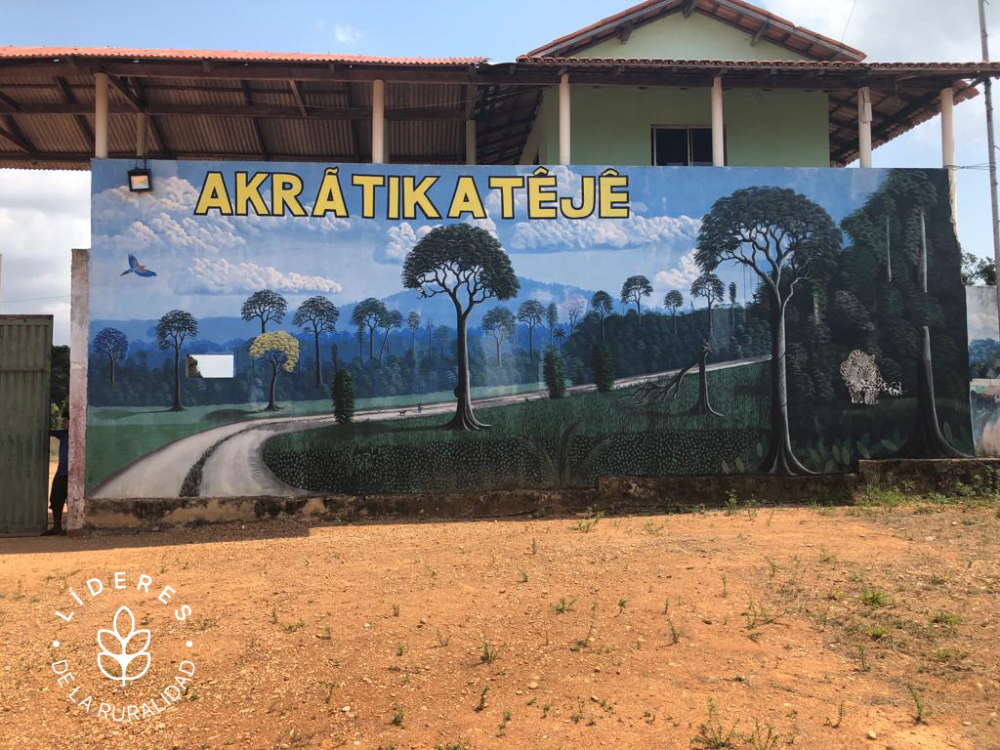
141,134
865,126
101,115
79,346
470,141
564,119
718,125
948,143
378,122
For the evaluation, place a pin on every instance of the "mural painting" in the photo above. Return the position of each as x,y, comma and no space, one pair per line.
984,369
285,329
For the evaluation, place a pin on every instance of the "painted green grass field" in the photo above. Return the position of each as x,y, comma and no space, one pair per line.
539,443
117,436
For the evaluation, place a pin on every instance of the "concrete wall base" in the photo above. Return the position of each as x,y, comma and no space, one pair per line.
612,495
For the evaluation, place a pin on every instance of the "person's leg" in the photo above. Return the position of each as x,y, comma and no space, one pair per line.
57,498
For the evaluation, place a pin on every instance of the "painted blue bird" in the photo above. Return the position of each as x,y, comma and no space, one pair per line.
137,268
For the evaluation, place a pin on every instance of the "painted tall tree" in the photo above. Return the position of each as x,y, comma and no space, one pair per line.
470,266
391,320
531,313
603,305
710,287
782,237
673,302
413,326
732,305
575,307
633,290
114,345
367,316
927,440
552,320
266,306
172,330
280,350
499,321
317,315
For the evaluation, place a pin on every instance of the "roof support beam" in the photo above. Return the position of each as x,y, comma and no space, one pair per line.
355,124
154,124
690,7
760,33
865,126
81,122
378,122
564,120
101,115
8,102
297,95
126,92
718,126
248,101
10,131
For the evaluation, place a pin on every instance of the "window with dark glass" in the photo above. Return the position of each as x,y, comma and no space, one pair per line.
682,147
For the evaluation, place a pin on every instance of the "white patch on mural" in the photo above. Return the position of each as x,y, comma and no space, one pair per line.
219,276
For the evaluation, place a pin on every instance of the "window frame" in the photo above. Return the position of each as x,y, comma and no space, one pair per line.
690,144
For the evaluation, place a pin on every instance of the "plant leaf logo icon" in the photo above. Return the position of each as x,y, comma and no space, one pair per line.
123,650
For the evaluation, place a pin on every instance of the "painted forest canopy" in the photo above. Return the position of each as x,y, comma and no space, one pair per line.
413,328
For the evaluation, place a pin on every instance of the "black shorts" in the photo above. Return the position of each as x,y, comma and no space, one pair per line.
58,495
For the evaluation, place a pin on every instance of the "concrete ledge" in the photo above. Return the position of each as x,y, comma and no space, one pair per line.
612,495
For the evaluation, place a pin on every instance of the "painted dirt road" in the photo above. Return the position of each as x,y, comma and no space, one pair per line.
234,466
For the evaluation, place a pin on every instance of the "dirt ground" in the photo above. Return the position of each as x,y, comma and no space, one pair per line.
743,628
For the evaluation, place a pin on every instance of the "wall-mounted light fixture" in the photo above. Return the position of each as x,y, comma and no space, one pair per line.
140,180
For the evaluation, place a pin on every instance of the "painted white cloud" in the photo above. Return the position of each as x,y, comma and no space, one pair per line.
400,238
594,233
681,277
219,276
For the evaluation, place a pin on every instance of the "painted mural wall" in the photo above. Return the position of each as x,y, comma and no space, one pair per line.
984,369
284,329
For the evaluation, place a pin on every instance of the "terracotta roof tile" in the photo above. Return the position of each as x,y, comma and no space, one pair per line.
127,53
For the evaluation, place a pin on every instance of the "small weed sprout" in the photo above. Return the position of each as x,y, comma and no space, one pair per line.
397,717
479,707
490,653
564,605
712,735
921,712
874,598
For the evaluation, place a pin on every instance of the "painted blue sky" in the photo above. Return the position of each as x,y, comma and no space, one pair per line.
44,213
208,264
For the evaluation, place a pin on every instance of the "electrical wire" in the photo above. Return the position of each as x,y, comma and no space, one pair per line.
848,24
32,299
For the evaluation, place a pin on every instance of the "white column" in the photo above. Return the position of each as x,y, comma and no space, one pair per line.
948,143
718,126
101,115
79,345
564,124
141,134
378,122
470,141
865,126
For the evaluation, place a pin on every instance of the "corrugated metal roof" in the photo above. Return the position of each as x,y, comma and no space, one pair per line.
751,19
306,109
130,53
